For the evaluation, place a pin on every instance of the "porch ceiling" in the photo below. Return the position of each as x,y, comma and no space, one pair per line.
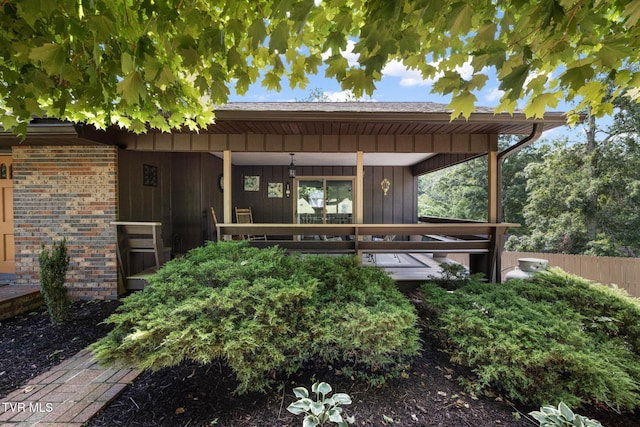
325,159
368,118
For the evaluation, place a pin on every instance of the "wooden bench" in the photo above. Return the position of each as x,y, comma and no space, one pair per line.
140,238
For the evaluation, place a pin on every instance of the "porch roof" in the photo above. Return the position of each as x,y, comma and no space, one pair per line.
368,118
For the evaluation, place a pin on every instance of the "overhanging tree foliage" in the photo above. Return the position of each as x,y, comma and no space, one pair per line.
166,64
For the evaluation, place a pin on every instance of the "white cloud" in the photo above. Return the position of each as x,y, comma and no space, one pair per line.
344,96
407,76
352,58
494,95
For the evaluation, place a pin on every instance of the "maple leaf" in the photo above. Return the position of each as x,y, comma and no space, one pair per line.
461,14
132,88
513,82
538,105
462,104
50,55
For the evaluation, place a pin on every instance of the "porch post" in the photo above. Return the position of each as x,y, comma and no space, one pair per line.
492,162
227,199
359,187
494,206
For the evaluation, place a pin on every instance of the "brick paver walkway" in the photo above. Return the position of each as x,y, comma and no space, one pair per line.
68,395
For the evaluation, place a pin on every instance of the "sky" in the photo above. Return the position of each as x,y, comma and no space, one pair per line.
398,84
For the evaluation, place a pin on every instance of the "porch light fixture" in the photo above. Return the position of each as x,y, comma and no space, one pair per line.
292,168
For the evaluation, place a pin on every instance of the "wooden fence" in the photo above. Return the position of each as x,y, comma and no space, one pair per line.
623,272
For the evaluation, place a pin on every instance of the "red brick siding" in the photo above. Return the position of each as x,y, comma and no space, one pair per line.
68,192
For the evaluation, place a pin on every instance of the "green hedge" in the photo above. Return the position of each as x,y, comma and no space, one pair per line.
552,338
263,311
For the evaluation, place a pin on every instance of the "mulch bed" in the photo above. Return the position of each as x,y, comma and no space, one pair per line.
31,345
193,395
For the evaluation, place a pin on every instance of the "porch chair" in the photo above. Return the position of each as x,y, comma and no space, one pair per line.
215,223
245,216
139,238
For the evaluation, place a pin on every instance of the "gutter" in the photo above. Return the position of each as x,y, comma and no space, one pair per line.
536,133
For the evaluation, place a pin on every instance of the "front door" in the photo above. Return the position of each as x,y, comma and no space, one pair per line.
7,248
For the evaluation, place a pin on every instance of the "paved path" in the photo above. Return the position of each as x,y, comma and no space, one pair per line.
68,395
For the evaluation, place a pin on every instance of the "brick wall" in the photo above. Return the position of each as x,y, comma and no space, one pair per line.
67,192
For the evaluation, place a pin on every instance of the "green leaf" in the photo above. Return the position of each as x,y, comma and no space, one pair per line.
632,12
341,399
538,105
576,77
317,408
50,55
461,14
127,63
612,53
301,392
132,88
566,411
322,388
462,104
310,421
279,39
102,26
300,406
257,32
271,81
513,82
335,415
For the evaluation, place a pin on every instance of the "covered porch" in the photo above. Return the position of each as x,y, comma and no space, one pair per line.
356,168
246,159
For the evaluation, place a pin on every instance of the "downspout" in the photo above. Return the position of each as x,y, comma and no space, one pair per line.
536,133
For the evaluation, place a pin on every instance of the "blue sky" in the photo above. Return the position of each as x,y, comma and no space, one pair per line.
398,84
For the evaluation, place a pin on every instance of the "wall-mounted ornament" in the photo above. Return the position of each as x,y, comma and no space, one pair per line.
274,190
287,190
150,175
252,183
385,185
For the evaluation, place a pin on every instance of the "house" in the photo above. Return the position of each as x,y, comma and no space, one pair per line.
361,160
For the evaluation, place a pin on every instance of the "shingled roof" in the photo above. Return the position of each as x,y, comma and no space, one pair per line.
368,118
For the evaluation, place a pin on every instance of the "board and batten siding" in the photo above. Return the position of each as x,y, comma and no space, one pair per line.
203,142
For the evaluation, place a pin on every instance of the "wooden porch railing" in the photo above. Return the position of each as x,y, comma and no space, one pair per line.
473,238
482,241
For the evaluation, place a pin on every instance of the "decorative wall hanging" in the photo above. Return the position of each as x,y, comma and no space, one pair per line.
385,185
252,183
221,182
149,175
274,190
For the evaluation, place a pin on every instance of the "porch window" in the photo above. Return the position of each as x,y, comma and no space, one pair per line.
323,200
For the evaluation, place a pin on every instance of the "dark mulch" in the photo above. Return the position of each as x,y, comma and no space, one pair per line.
31,345
203,395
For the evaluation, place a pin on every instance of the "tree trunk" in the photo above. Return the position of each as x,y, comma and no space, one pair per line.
591,208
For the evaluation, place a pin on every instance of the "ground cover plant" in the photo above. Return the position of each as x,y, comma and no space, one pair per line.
265,313
552,338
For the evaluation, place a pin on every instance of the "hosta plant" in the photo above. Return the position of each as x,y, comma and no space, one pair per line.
563,416
324,409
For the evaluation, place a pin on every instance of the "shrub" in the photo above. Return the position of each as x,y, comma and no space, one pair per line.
265,312
53,272
554,337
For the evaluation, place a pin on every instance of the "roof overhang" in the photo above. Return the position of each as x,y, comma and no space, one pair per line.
369,118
